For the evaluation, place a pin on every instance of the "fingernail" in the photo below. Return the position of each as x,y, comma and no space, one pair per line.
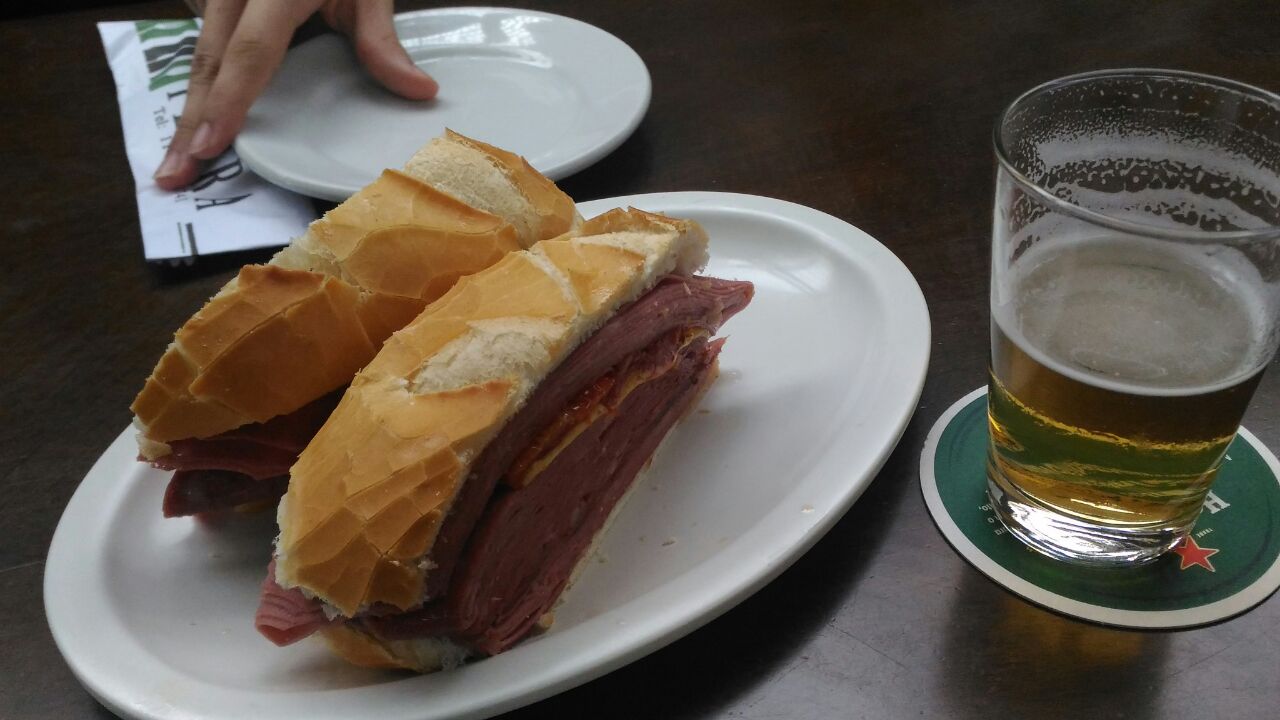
202,140
168,167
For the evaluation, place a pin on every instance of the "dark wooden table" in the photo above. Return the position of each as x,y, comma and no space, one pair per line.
879,113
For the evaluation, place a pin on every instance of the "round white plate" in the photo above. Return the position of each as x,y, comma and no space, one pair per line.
556,90
818,379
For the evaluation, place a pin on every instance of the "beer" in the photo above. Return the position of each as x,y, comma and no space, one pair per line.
1135,301
1120,369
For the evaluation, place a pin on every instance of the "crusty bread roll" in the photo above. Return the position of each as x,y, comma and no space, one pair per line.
368,495
280,335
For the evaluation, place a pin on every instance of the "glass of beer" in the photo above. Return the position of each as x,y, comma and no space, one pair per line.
1135,291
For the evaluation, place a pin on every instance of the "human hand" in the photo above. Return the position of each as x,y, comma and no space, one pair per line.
242,43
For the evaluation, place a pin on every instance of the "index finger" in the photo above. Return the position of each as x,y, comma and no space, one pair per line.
252,55
178,168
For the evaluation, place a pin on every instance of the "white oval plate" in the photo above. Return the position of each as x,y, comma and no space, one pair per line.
556,90
818,380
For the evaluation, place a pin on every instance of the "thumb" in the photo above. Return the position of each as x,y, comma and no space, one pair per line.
379,50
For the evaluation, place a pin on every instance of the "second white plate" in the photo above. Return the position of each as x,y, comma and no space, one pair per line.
556,90
819,377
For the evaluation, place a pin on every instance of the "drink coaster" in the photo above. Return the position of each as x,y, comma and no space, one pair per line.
1230,563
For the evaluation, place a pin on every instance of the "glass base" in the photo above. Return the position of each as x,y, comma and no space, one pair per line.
1063,537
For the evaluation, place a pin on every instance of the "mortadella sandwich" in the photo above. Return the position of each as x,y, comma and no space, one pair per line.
448,501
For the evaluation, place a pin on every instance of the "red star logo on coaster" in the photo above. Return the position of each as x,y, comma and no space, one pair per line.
1193,554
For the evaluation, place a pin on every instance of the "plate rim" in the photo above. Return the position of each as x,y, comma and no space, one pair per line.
685,615
251,152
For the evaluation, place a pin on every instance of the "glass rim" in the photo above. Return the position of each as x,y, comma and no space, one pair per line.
1002,156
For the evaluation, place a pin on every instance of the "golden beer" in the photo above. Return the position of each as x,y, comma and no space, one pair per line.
1135,301
1120,370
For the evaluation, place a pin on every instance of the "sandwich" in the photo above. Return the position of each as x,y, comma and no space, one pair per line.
251,377
453,494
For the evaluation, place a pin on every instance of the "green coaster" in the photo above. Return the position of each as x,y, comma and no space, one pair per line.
1230,563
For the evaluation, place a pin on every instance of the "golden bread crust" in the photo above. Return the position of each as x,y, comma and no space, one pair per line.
224,368
555,210
361,649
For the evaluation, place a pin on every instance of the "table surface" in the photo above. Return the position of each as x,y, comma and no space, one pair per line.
878,113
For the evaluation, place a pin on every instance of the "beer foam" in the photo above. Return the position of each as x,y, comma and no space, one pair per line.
1140,316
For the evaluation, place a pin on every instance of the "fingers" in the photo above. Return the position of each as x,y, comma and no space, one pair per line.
178,168
373,32
242,43
251,57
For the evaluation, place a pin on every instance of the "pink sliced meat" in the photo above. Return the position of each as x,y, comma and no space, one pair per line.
251,459
195,492
286,616
246,465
